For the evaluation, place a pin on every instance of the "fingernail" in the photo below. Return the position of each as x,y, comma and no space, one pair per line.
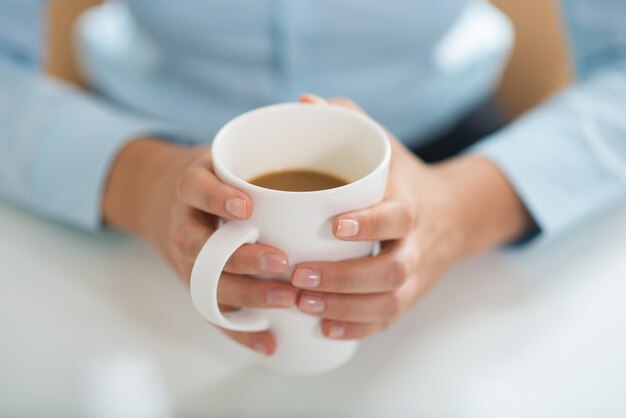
337,330
311,304
280,297
306,278
260,347
272,263
236,207
347,228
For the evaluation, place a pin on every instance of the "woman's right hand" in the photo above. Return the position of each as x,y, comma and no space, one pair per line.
170,195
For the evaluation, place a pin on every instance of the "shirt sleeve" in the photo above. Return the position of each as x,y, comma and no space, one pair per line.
567,158
57,142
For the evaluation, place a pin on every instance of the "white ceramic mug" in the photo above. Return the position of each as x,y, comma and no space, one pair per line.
321,137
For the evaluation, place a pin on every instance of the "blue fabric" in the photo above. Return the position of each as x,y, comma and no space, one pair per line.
416,69
567,158
182,69
56,142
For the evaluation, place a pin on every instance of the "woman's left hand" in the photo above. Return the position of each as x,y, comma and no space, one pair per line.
425,224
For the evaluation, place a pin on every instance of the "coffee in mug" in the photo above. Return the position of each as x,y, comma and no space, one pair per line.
298,180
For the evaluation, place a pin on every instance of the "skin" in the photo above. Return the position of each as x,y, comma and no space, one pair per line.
432,217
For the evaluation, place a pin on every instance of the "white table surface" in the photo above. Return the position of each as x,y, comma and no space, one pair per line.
98,326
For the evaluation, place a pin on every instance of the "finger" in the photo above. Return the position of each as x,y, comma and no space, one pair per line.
199,188
190,236
311,98
390,219
347,103
249,292
262,342
386,272
352,308
337,101
339,330
257,259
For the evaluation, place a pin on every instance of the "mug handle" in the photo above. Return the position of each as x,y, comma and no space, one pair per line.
206,273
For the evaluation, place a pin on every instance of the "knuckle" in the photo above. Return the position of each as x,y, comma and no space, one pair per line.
393,305
409,216
336,304
263,287
373,222
237,262
345,284
181,237
397,272
208,196
250,299
340,282
239,296
257,291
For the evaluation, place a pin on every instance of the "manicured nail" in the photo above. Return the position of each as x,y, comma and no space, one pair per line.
311,304
306,278
347,228
337,330
260,347
282,298
272,263
236,207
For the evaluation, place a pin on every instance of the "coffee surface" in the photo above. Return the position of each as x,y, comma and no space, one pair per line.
298,180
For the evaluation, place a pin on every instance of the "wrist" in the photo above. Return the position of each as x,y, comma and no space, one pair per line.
488,211
141,185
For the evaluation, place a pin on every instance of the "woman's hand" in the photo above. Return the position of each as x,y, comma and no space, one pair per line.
431,218
169,195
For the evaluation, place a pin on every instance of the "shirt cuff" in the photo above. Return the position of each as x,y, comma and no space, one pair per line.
556,172
71,167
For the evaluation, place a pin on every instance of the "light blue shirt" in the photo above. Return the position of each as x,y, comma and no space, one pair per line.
182,69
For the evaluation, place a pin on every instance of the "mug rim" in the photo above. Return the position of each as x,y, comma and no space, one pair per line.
243,184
